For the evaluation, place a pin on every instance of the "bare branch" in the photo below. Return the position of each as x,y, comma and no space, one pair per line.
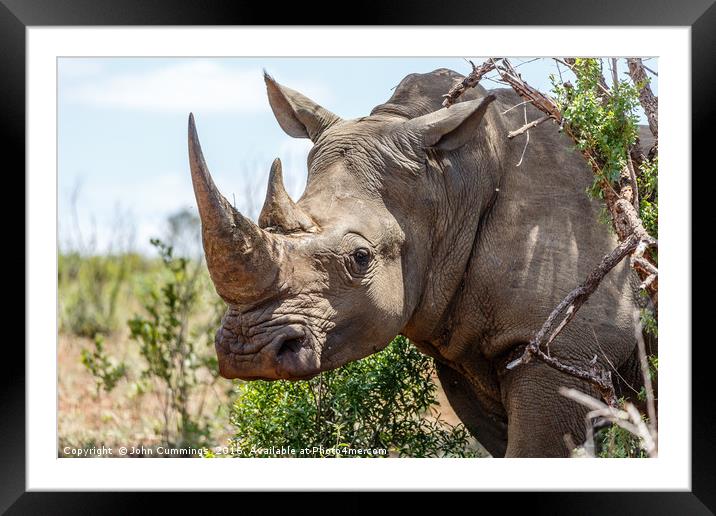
470,81
516,106
615,79
527,141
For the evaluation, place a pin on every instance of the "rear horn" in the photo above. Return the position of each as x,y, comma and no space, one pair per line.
279,210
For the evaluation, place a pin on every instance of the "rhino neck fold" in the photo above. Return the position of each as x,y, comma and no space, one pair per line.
438,312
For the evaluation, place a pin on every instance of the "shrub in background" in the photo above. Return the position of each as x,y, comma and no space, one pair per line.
90,289
170,350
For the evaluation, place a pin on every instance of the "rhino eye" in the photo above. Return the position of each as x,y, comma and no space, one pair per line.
361,257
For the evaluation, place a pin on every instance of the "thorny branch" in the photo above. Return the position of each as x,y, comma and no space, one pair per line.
622,205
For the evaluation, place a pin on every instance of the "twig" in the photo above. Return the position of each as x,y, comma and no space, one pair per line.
606,359
649,69
527,127
522,63
496,81
559,71
527,142
524,90
516,106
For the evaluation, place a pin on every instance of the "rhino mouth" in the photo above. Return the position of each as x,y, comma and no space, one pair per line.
278,353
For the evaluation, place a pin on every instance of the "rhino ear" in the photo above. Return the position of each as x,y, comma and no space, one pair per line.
451,128
298,115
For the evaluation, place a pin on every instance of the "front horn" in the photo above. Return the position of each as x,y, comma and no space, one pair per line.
243,260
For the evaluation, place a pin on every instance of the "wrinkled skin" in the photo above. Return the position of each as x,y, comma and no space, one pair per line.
416,220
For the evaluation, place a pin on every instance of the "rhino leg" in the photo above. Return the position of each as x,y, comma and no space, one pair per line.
539,417
487,429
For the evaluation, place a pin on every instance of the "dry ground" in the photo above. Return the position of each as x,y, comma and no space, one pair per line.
130,416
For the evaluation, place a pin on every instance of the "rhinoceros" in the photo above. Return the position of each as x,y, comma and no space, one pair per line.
420,220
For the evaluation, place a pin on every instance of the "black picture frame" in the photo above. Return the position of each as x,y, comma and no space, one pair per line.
700,15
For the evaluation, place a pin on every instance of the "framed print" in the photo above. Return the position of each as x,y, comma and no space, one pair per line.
290,244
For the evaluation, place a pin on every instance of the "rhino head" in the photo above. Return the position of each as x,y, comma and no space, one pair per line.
335,276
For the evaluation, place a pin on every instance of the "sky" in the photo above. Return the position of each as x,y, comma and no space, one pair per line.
122,132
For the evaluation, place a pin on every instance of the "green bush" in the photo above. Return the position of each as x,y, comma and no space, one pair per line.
380,402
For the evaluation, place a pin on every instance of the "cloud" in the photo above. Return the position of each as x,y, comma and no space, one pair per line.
196,85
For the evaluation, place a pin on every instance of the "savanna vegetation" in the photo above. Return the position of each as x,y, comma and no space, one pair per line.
136,360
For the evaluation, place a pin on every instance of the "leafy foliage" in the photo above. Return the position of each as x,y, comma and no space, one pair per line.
380,402
604,126
615,442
